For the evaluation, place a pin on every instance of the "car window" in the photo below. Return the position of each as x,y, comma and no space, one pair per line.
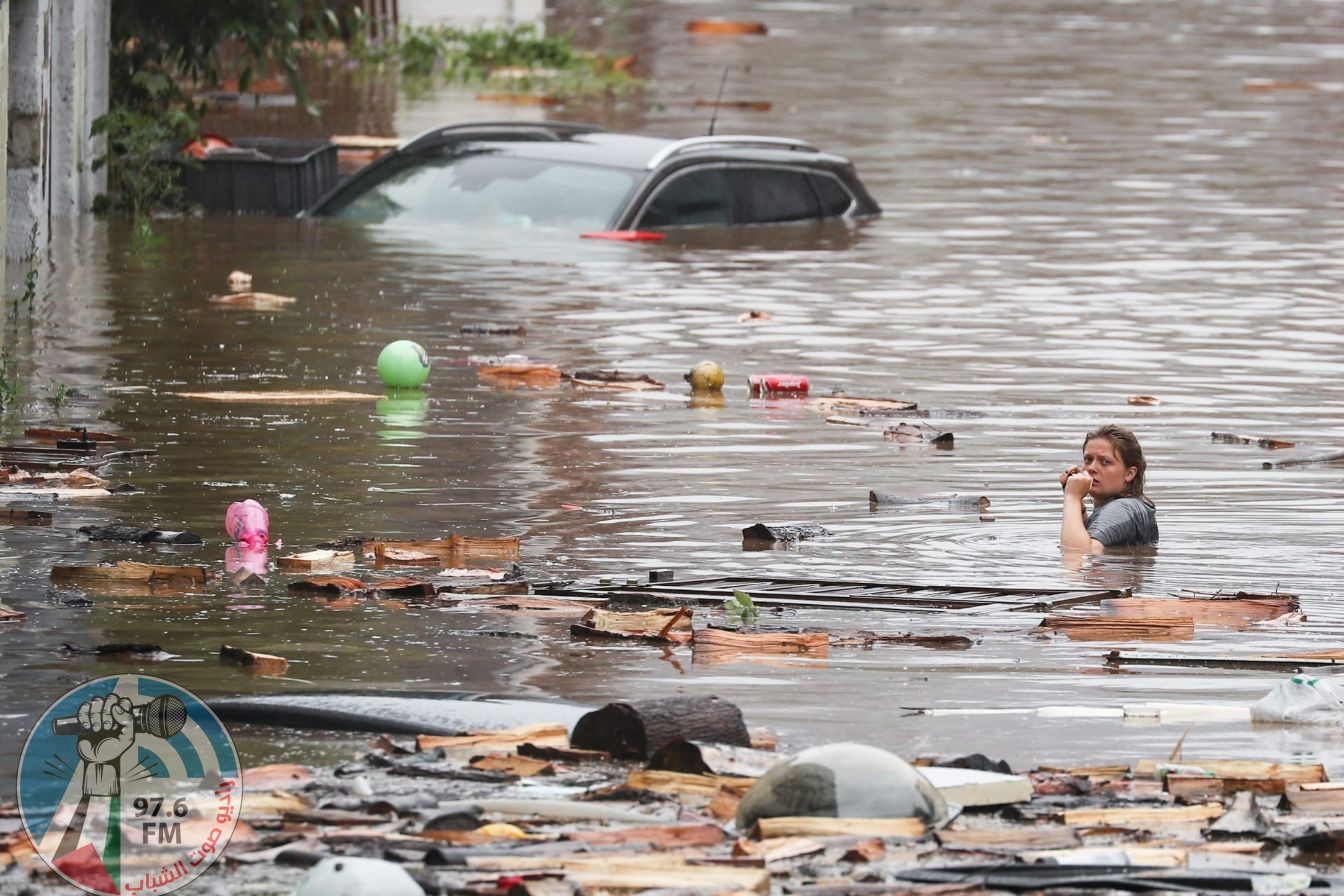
694,197
835,199
772,195
487,188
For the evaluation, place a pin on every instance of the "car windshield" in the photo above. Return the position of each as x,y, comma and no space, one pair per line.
487,188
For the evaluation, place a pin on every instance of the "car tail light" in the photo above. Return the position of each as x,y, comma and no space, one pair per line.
626,236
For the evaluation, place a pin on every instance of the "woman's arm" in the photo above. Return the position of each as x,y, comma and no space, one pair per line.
1072,533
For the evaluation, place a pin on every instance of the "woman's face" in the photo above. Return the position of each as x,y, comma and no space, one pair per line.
1109,474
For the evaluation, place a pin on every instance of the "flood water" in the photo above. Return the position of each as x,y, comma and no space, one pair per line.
1082,202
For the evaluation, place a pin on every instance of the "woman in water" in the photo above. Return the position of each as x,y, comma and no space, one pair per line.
1112,474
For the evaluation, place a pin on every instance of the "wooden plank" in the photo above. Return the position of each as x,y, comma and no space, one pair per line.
546,734
1228,613
126,571
260,663
1122,628
773,643
1011,838
809,826
1325,798
521,766
1118,658
662,836
667,625
1202,787
1298,773
316,560
685,784
1138,817
451,549
10,615
632,872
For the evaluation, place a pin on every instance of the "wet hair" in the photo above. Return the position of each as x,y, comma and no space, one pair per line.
1126,444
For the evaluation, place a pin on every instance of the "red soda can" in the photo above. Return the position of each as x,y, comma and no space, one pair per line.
777,384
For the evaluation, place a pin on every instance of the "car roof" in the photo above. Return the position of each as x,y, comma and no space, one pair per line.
566,141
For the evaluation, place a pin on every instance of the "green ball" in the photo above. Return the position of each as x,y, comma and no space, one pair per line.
403,364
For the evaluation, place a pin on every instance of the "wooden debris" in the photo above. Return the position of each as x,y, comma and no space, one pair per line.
809,826
790,643
681,755
538,607
671,626
754,317
615,379
1235,439
404,587
744,106
10,615
724,27
761,534
1227,612
538,735
1323,798
906,432
280,776
537,376
1328,457
12,517
661,837
406,557
261,804
1014,837
285,396
253,301
1297,773
128,572
451,551
933,642
1144,399
260,663
636,729
522,766
840,403
1122,628
315,560
329,585
683,784
520,99
1143,817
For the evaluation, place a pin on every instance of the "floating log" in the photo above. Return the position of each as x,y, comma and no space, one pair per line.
1298,773
1327,458
260,663
681,755
286,396
789,643
1122,628
635,730
128,572
812,826
319,559
1235,439
663,626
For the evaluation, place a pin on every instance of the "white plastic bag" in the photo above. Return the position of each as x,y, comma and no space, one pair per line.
1302,700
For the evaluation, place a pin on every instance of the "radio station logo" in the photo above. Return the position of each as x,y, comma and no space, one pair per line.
129,784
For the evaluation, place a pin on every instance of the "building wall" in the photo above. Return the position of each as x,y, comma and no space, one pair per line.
57,69
470,13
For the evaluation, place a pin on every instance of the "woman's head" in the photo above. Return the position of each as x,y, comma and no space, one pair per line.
1114,459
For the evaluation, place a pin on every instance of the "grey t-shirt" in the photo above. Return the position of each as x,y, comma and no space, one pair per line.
1123,522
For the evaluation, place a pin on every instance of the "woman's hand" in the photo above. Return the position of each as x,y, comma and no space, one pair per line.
1064,477
1078,485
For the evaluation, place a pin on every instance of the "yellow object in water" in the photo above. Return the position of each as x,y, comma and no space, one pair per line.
705,377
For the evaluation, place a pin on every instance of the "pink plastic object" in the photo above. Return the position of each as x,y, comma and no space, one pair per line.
248,523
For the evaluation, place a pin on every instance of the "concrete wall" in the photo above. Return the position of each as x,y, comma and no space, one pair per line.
57,72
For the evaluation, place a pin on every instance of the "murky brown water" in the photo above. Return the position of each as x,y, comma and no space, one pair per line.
1082,203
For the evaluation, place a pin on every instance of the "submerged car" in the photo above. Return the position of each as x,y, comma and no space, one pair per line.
588,180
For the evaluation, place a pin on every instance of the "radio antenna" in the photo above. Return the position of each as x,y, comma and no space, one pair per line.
714,116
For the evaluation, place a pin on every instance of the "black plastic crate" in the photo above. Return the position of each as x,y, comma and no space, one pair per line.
262,175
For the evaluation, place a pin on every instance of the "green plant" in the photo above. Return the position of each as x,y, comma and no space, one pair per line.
140,151
60,393
740,609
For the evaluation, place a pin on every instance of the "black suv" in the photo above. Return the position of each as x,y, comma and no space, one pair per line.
582,178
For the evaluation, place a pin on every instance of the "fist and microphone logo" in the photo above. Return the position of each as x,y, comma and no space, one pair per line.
129,784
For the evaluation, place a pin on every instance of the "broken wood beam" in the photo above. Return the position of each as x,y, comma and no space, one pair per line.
811,826
1142,817
1298,773
1122,628
128,572
1236,439
260,663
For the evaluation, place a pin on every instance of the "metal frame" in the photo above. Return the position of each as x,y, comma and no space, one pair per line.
556,130
690,144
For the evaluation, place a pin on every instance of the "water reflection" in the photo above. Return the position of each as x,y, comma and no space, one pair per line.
403,411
